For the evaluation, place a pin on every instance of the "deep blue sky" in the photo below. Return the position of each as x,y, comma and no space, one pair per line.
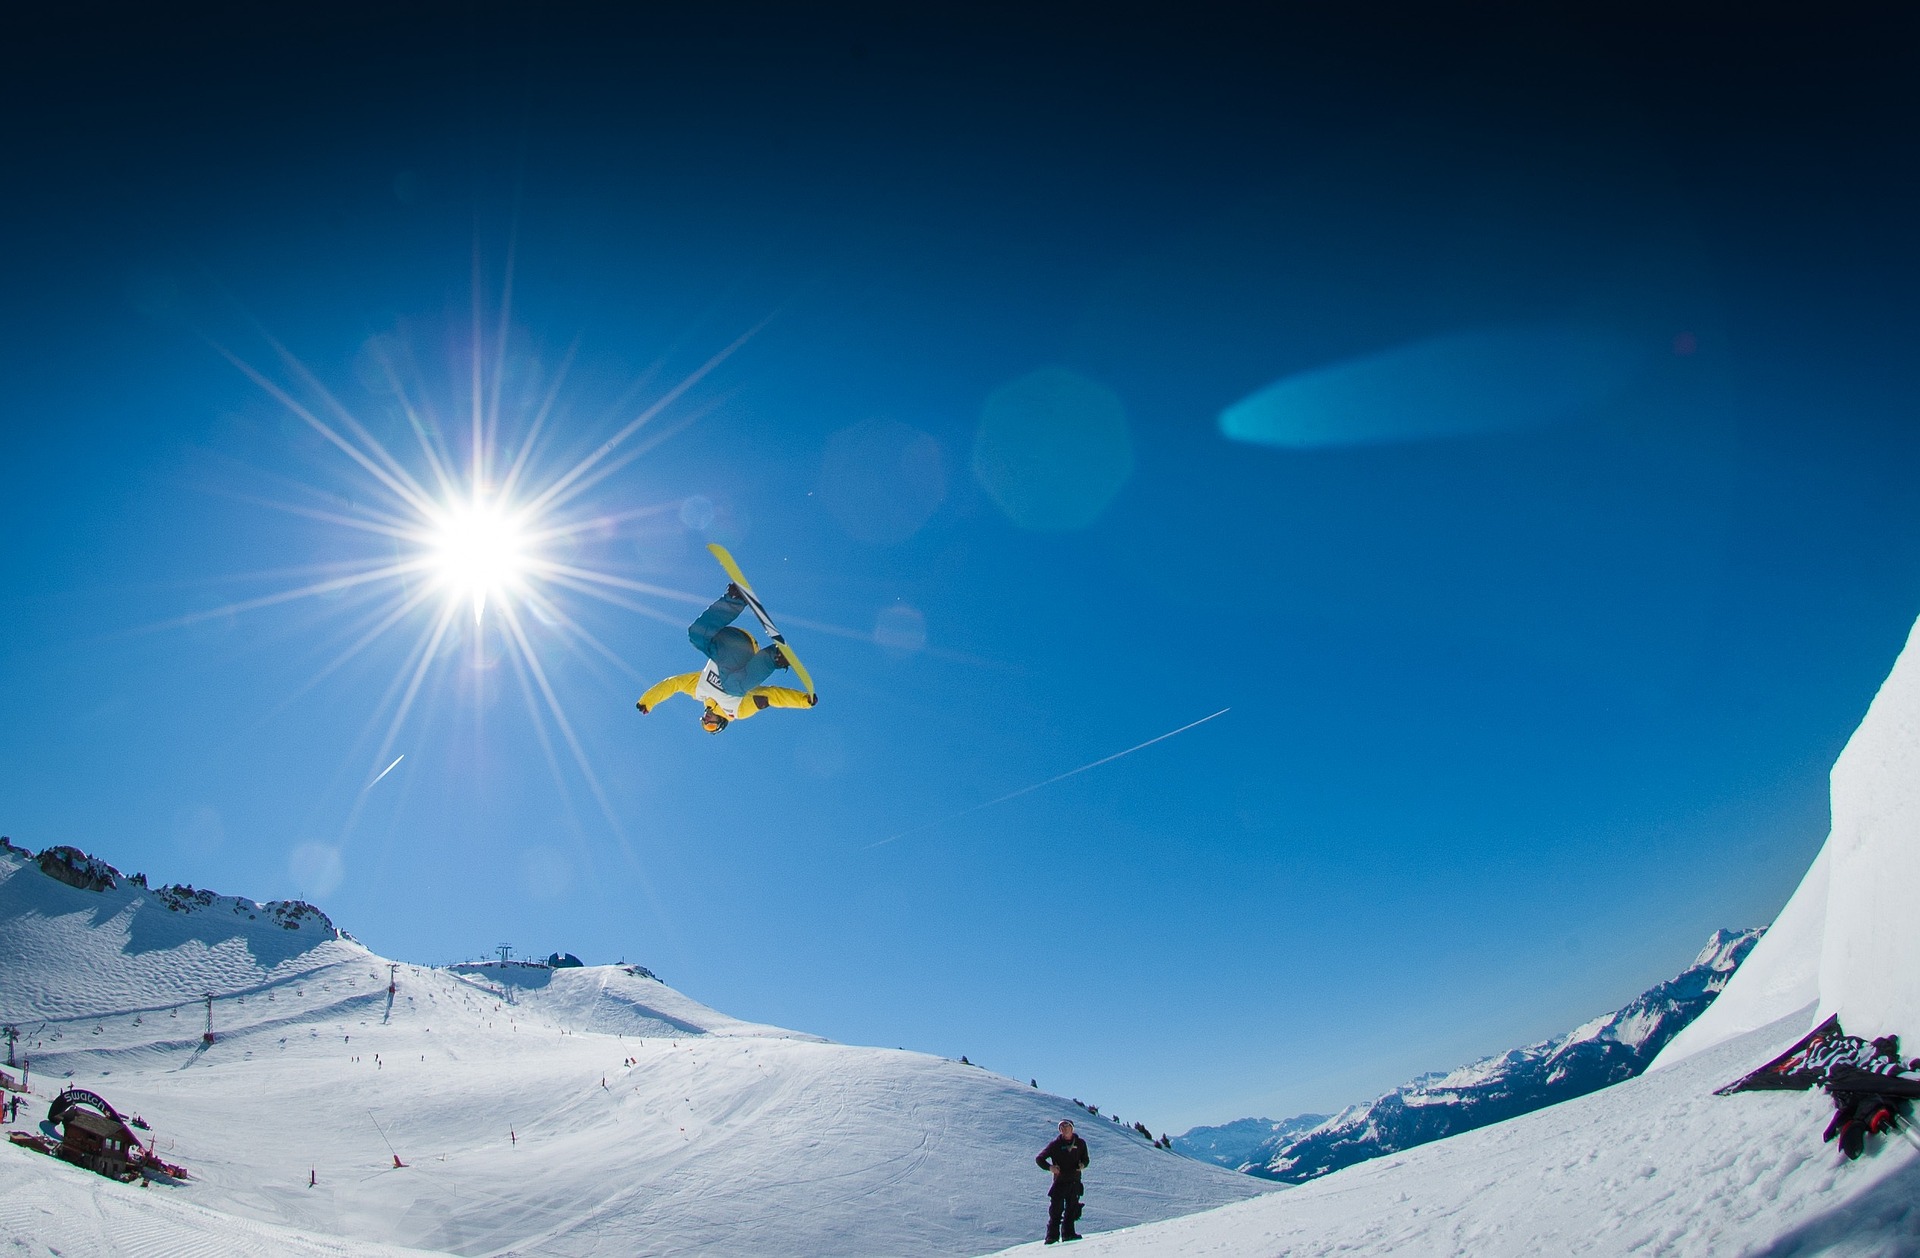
1520,714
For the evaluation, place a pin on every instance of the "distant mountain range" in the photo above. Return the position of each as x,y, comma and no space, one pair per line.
1233,1145
1432,1107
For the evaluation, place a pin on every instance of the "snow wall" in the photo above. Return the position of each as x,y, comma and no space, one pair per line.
1846,942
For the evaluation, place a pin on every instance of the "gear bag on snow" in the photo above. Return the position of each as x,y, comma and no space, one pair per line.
1870,1090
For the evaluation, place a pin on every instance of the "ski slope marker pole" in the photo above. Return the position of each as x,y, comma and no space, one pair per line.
397,1163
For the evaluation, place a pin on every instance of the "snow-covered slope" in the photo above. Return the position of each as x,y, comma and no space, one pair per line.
1601,1052
50,1210
1657,1165
610,999
1846,941
589,1110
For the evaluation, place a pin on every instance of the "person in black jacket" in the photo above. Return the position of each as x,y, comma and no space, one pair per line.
1065,1156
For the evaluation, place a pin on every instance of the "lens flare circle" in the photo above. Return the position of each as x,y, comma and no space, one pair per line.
479,550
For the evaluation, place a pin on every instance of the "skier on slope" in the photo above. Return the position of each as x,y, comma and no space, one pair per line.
729,687
1065,1156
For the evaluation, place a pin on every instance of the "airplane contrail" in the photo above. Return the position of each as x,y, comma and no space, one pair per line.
389,769
1060,777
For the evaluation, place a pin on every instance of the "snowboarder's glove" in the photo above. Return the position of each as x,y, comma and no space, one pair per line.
812,699
642,707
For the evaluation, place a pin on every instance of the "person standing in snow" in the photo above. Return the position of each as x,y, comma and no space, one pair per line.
1066,1156
728,688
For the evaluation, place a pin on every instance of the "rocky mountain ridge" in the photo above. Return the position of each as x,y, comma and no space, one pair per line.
1603,1051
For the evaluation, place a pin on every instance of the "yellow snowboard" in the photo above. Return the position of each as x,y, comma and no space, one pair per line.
766,622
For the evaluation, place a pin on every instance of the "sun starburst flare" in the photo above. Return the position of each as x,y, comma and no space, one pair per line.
492,535
480,550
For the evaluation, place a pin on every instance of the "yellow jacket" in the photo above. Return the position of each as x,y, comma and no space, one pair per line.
758,699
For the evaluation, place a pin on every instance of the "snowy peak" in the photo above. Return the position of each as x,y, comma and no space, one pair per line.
1606,1050
286,914
607,999
1660,1012
80,936
1723,952
91,940
74,868
1232,1144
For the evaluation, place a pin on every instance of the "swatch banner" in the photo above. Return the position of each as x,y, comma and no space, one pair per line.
1827,1056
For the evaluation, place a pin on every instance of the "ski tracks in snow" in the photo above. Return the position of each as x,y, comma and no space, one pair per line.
95,1218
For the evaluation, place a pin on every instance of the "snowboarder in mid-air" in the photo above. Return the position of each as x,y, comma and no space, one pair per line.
729,687
1065,1156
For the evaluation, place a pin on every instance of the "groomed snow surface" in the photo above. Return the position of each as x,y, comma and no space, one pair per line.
508,1093
1657,1165
731,1138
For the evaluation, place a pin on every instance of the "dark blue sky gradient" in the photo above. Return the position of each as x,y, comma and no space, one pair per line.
1519,717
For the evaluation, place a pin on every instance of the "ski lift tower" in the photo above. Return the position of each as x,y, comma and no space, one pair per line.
12,1033
505,950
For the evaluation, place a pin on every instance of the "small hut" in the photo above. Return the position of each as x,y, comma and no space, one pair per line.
101,1144
95,1136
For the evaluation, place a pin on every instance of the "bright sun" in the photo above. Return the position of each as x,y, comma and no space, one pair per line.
479,550
487,526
